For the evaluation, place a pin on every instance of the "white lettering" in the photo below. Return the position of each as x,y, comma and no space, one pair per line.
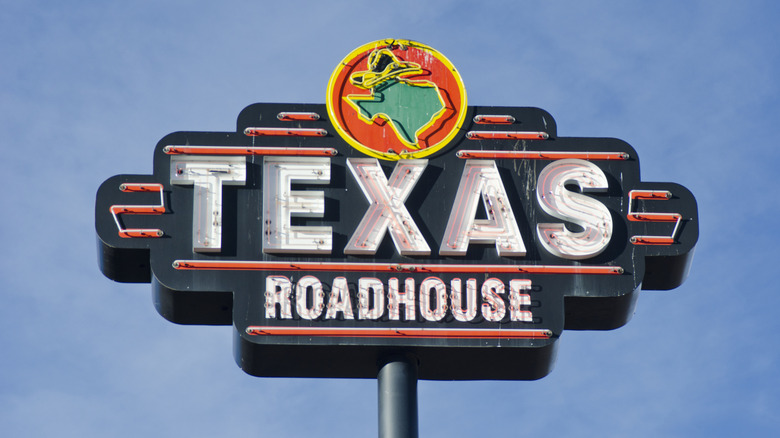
432,299
436,311
277,292
493,307
396,299
517,299
365,286
387,210
207,175
280,203
301,297
457,302
481,179
339,300
579,209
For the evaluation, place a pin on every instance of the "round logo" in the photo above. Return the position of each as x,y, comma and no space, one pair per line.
396,99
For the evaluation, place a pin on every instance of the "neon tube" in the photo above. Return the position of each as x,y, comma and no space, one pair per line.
494,120
285,132
251,150
293,116
425,333
506,135
541,155
225,265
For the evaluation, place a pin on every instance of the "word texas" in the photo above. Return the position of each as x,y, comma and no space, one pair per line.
387,212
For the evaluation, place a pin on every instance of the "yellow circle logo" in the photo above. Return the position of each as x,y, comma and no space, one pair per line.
396,99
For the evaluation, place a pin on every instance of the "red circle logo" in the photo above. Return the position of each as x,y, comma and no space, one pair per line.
396,99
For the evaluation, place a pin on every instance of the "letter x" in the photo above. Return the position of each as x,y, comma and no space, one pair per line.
387,210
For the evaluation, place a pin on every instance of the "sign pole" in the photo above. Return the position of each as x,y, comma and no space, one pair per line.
397,387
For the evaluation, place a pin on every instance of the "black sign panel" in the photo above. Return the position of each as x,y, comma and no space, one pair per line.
325,257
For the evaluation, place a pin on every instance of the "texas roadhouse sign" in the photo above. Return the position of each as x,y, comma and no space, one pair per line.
392,219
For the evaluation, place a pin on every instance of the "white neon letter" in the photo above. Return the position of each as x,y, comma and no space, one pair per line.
481,179
339,300
577,208
517,298
387,210
301,297
440,304
280,203
493,307
365,311
207,175
277,291
395,299
456,302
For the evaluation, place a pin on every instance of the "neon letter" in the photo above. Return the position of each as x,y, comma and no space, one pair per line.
440,305
339,300
493,307
364,286
387,210
317,297
456,302
277,291
207,175
395,299
481,178
280,203
582,210
517,298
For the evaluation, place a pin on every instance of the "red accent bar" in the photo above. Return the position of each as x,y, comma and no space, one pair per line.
224,265
290,116
140,232
252,150
497,120
141,187
286,132
373,332
650,194
635,216
654,217
506,135
116,210
541,155
137,209
652,240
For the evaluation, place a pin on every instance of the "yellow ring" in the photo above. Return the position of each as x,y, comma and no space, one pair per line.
461,111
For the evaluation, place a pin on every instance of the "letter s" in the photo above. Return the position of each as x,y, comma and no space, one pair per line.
590,214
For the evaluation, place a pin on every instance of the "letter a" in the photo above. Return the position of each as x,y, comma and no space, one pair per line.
481,179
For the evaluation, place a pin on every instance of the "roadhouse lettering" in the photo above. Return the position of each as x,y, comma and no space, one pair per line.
433,301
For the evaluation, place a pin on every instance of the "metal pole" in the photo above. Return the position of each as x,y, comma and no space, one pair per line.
397,380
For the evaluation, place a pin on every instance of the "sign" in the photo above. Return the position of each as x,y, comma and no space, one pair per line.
395,218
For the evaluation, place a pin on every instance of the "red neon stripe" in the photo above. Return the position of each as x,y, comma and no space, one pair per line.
140,187
251,150
291,116
650,194
137,209
223,265
116,210
497,120
425,333
506,135
542,155
652,240
286,132
140,232
654,217
657,195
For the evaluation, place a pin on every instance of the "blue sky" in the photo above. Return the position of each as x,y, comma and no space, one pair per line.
87,89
